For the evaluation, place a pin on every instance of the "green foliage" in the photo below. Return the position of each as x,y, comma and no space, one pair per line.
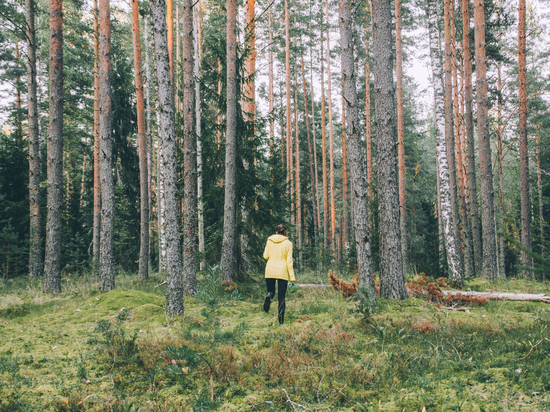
542,265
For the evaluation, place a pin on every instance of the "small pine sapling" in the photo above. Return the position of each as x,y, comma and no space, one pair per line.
204,338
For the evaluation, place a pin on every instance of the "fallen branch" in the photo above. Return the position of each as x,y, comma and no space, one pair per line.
160,284
457,309
541,297
310,285
532,347
294,403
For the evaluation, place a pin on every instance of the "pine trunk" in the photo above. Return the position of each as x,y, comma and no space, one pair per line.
97,178
359,189
167,164
297,157
311,163
466,233
539,187
345,194
149,139
314,140
142,149
324,155
526,259
490,268
457,278
270,90
106,247
35,250
52,261
331,143
470,143
401,135
230,205
500,204
368,134
170,37
445,209
392,280
289,180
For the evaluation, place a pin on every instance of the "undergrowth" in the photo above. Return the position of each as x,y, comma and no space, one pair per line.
85,351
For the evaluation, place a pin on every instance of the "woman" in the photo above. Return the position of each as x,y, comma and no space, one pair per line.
278,253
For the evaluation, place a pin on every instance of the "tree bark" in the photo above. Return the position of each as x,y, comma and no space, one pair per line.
345,194
500,204
167,164
490,268
52,261
106,247
35,250
392,280
313,137
170,37
270,89
401,135
149,139
97,178
368,134
198,58
470,143
326,235
312,169
189,153
289,180
445,209
230,205
331,143
539,187
359,189
450,143
526,259
297,157
142,149
464,220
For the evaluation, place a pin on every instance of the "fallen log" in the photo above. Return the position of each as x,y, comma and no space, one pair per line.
541,297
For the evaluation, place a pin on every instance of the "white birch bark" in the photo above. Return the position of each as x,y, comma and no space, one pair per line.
200,207
451,243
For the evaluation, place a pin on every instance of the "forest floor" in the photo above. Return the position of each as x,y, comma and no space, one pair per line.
83,350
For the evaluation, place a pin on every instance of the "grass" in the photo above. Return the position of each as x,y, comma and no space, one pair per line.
82,350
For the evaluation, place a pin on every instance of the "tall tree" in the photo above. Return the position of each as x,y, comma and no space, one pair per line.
401,134
189,154
331,141
392,279
97,184
198,115
167,164
297,160
444,200
359,189
490,268
324,155
470,144
288,106
106,247
230,203
368,134
526,259
142,149
35,251
52,261
449,134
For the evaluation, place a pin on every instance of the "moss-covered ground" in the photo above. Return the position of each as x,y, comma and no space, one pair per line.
56,354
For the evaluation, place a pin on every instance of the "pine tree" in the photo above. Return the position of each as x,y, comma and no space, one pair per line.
52,261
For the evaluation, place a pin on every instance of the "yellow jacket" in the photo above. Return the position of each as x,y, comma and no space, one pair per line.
278,253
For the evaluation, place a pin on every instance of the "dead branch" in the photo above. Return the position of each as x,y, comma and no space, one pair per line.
294,403
541,297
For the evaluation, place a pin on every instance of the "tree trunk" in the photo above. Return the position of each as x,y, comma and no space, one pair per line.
170,37
270,89
345,194
54,153
189,153
331,143
445,209
230,205
312,169
52,261
289,180
470,144
500,204
106,247
314,137
526,259
458,278
142,149
359,190
198,58
149,140
368,134
392,280
35,250
401,136
167,164
539,187
490,268
324,157
297,156
97,178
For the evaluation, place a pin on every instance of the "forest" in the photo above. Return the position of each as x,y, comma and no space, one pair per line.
148,149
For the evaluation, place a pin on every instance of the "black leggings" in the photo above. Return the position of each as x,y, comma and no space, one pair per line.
283,284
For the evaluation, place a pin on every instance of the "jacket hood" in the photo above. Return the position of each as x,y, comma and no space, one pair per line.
277,238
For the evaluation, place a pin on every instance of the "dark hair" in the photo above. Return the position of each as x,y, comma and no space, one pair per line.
281,230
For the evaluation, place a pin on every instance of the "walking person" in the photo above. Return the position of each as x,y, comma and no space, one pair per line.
279,268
